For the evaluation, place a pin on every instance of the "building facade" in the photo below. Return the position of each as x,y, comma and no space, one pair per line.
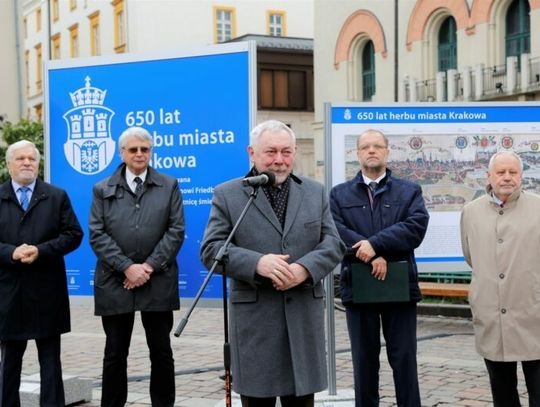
67,29
424,51
10,102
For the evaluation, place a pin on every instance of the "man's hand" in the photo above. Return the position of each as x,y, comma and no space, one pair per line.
148,268
379,268
136,276
365,251
300,274
276,268
25,253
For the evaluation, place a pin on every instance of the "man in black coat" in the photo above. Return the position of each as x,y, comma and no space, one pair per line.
37,229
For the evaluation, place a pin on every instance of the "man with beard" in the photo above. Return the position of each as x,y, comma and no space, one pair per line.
285,246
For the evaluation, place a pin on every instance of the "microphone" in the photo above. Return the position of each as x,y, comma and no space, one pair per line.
265,179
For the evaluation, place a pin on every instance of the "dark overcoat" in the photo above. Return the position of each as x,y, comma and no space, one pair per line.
34,299
126,229
277,337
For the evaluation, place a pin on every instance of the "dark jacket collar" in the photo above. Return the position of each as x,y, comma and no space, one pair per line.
387,180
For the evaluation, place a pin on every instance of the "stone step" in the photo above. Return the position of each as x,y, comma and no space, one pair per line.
76,390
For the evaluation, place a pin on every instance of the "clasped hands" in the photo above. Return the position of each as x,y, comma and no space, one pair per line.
283,275
365,252
137,275
25,253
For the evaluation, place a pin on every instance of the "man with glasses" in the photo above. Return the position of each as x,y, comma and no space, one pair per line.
38,227
381,219
136,230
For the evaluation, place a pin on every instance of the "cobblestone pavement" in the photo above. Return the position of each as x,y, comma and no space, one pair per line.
450,371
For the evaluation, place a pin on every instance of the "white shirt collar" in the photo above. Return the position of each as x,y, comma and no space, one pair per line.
30,186
130,178
367,180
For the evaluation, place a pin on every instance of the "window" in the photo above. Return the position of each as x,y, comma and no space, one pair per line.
282,89
447,50
38,68
55,11
368,71
38,109
95,46
55,46
38,19
72,4
225,24
276,23
119,26
74,41
518,31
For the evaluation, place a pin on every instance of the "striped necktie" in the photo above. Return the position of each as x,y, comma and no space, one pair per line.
139,183
24,197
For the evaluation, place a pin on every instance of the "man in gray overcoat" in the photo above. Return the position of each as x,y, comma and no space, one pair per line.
136,230
285,246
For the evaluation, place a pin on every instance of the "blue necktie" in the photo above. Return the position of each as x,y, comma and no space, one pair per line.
24,197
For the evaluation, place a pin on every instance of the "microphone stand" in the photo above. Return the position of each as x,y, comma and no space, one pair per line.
222,259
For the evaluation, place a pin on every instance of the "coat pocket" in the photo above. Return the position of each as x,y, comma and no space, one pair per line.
318,291
243,296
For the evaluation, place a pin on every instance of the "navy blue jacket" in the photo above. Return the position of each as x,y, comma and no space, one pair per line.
395,226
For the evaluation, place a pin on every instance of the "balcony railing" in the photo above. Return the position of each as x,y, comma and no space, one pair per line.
481,83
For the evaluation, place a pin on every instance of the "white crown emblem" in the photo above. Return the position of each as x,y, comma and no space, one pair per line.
89,148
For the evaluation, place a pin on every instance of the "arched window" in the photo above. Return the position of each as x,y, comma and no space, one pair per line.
447,46
518,28
368,71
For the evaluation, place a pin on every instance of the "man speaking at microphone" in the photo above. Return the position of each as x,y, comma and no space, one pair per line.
284,247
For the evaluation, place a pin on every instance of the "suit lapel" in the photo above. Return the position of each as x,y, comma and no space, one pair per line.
296,194
263,206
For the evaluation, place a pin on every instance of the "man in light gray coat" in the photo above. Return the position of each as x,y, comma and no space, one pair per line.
136,230
285,246
500,236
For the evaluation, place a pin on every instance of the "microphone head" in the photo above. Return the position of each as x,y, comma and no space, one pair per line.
271,178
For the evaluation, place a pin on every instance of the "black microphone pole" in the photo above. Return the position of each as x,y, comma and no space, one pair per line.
221,259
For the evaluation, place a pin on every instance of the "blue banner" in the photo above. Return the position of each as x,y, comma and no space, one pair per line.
198,109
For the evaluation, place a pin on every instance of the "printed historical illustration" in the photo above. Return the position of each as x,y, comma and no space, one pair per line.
451,168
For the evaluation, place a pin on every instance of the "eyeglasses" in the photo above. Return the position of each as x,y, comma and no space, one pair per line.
133,150
366,147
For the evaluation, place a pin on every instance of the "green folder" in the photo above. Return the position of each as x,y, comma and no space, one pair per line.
367,289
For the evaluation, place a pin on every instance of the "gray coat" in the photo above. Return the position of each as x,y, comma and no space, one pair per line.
277,338
125,230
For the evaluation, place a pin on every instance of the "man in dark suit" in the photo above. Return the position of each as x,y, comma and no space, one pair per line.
37,229
381,219
136,230
280,253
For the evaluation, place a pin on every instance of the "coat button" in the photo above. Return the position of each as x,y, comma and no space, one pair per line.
500,240
137,206
501,275
501,212
288,299
503,311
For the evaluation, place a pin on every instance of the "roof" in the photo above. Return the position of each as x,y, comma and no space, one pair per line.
271,43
